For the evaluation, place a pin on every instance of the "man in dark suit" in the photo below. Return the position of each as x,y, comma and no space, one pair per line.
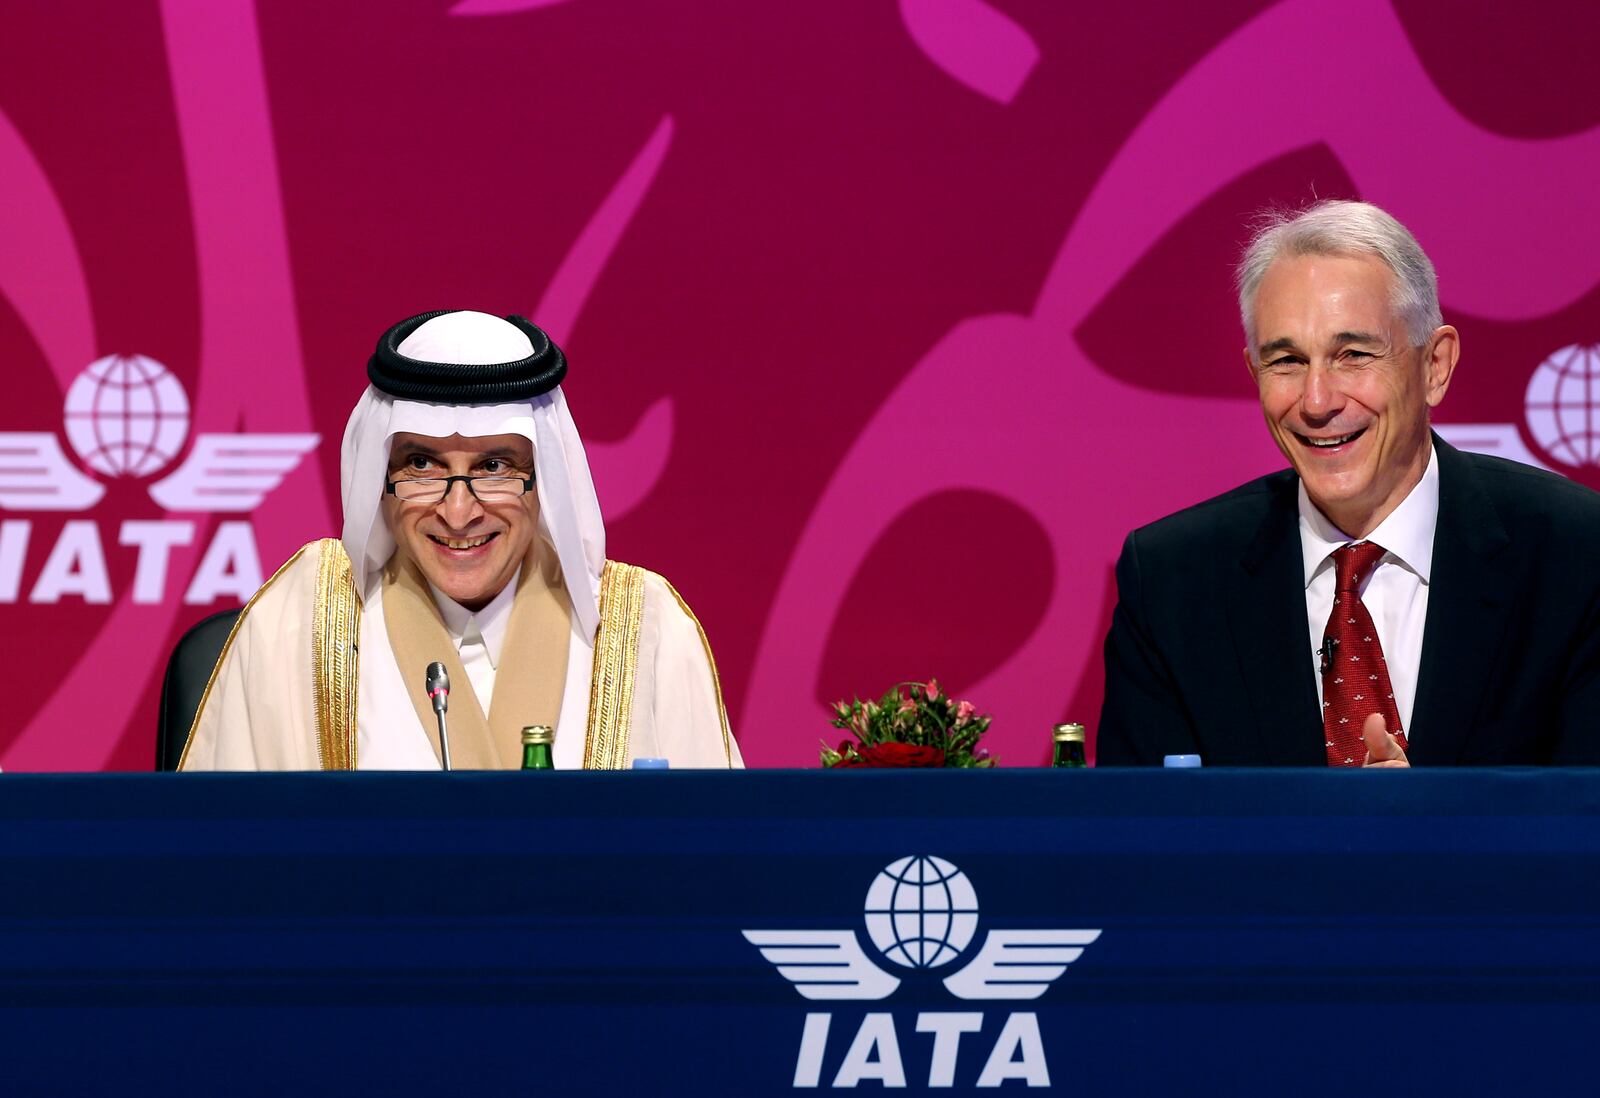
1388,600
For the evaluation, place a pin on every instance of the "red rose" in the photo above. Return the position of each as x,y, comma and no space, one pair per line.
899,755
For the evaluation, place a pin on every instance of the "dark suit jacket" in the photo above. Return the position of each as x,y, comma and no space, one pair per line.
1209,650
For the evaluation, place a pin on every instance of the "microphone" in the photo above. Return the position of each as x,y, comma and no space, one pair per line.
438,686
1330,648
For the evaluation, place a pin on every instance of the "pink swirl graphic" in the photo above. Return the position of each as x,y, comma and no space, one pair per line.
252,374
1048,413
40,272
973,43
893,319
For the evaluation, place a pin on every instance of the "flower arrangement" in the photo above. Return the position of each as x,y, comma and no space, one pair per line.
914,724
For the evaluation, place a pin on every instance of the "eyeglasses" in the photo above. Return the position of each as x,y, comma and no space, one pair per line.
484,489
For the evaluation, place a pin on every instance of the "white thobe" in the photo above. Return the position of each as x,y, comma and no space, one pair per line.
259,710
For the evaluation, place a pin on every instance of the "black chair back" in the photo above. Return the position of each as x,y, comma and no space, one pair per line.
188,671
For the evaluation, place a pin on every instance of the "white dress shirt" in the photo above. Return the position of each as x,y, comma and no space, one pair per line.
479,635
1395,594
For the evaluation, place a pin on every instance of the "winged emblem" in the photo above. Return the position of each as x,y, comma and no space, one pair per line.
221,473
1498,439
823,964
230,472
1019,964
35,475
912,899
127,415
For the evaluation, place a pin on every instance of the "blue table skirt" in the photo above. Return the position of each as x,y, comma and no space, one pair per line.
1259,932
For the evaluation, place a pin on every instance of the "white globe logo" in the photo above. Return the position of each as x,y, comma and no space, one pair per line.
921,912
126,415
1563,405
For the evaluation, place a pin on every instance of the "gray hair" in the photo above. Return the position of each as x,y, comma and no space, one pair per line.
1338,227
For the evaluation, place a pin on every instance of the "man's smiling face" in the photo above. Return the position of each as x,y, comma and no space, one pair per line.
466,548
1344,392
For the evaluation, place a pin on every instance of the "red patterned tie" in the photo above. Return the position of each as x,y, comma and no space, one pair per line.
1355,679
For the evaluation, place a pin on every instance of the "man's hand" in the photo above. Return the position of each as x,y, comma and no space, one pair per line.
1382,748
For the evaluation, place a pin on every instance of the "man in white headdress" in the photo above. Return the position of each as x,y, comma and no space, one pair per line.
472,537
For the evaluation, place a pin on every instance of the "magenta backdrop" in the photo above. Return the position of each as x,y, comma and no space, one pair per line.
887,321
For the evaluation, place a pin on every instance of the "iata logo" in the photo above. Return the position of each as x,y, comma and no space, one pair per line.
1563,396
921,913
1561,410
127,416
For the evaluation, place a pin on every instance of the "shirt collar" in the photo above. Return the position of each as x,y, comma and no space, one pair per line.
490,622
1407,534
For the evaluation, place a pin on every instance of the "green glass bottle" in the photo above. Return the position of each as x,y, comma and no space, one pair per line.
538,747
1069,745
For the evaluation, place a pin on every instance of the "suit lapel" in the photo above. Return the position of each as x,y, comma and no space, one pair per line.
1467,602
1266,609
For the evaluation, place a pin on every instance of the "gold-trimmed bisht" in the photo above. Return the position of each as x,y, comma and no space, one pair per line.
616,661
222,656
335,633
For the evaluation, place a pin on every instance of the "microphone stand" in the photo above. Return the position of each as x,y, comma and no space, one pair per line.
438,686
444,739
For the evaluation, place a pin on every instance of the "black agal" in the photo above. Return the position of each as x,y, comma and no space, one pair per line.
452,383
